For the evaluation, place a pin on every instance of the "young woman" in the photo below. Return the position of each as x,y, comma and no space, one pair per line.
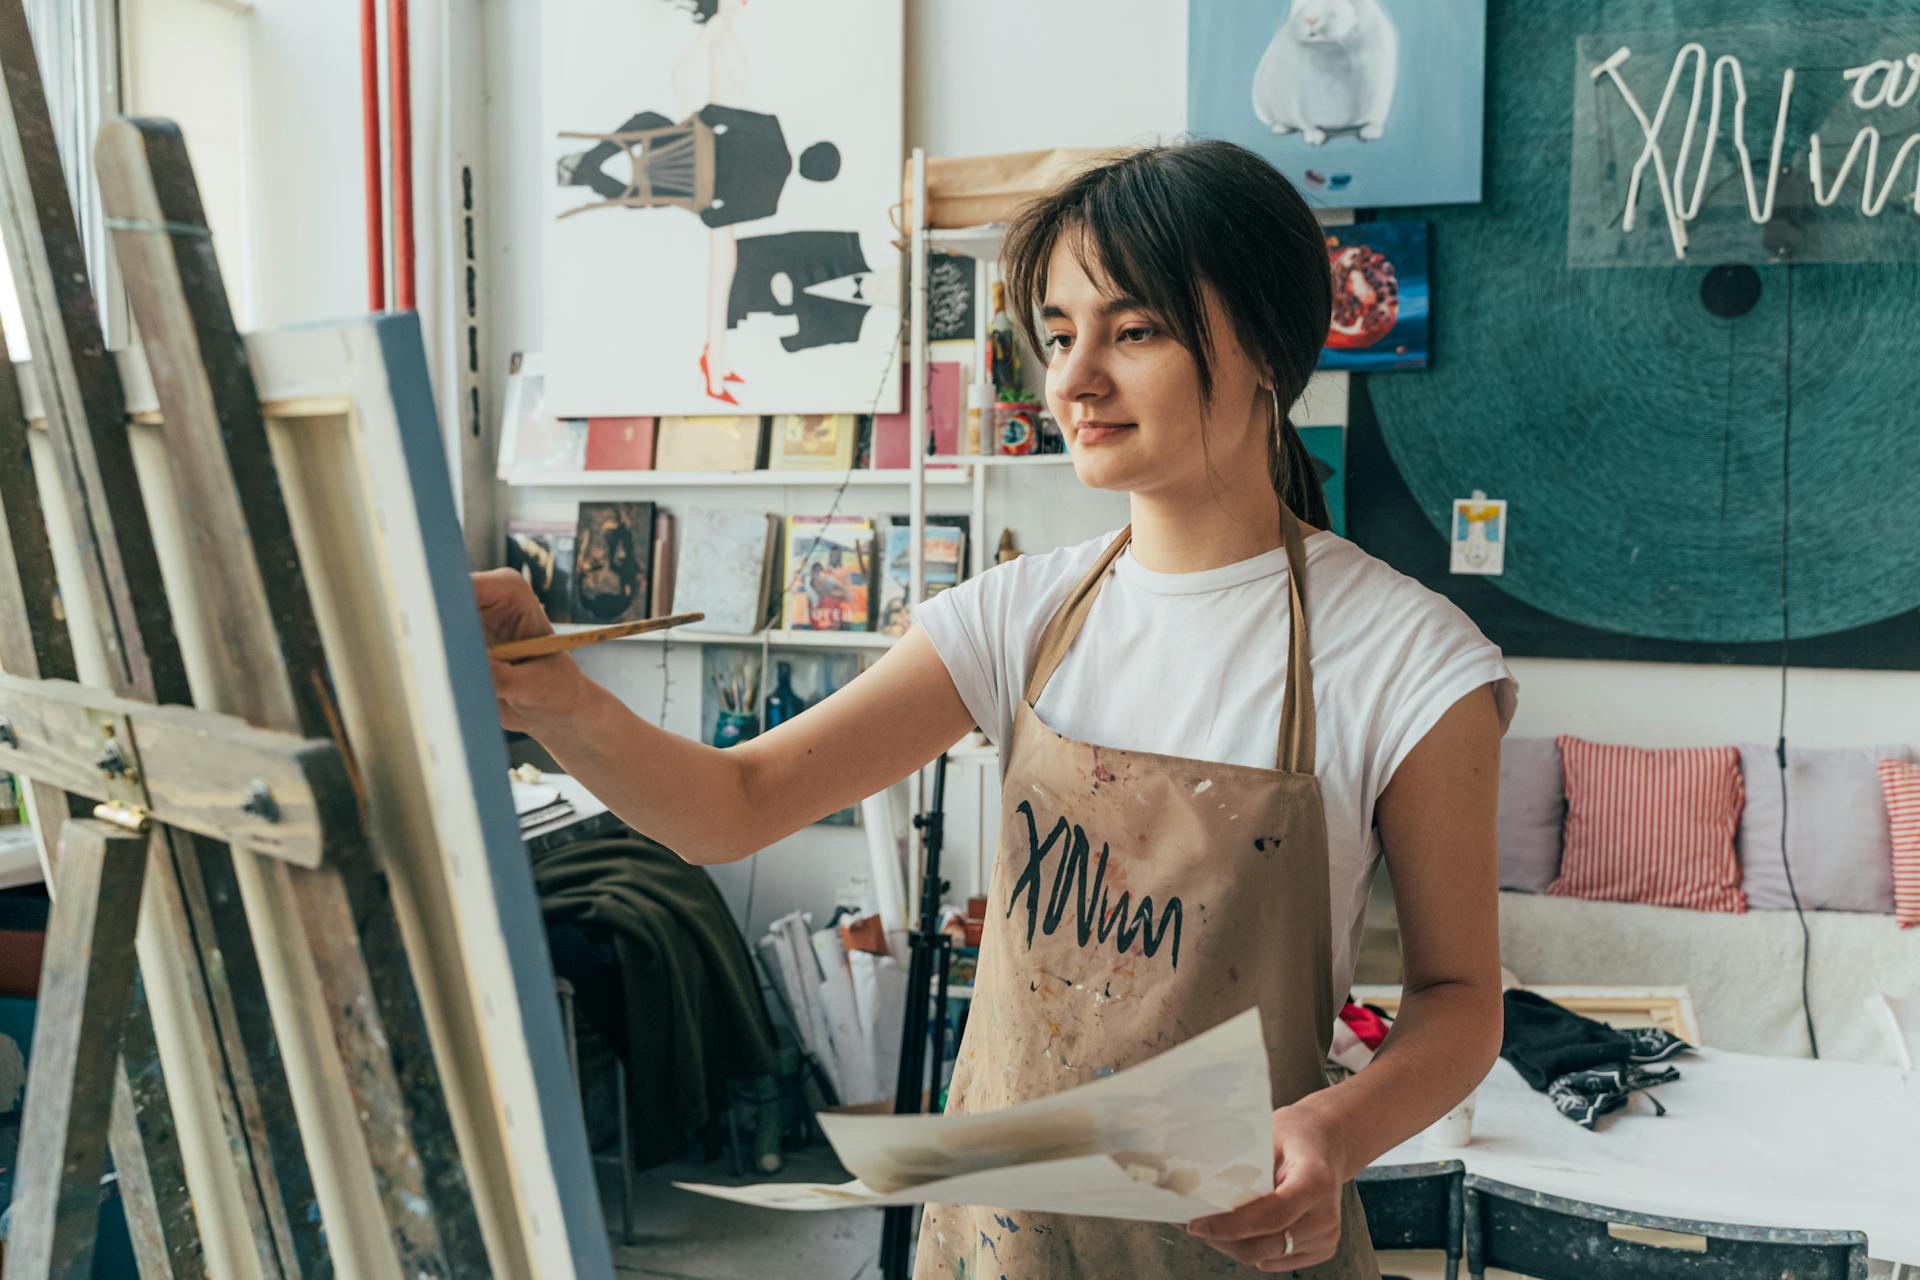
1218,719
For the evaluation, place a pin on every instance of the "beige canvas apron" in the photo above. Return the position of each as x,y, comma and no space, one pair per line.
1137,900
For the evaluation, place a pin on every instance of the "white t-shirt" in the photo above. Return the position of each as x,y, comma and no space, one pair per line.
1194,665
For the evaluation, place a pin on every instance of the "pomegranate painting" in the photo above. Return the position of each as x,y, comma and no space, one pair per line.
1366,295
1379,316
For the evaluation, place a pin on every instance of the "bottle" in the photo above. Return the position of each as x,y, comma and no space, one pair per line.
1003,353
783,703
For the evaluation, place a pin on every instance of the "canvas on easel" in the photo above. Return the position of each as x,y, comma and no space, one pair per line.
436,1112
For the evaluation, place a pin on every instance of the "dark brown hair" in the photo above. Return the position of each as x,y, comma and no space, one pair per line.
1163,222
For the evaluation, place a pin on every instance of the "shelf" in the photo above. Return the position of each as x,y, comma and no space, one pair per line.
969,242
777,637
998,460
891,476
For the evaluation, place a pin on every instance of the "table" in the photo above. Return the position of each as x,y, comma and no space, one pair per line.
1778,1142
589,817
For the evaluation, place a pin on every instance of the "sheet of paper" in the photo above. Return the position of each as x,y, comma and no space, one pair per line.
529,796
1180,1136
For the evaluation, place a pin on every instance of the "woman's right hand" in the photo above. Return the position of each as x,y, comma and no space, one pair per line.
538,693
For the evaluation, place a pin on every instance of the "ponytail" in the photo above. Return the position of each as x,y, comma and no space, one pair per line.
1290,467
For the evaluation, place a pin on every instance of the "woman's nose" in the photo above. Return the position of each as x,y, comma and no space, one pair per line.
1078,374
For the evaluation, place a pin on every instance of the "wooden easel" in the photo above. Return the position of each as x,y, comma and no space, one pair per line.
208,825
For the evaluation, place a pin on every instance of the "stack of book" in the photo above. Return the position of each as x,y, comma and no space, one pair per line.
615,563
745,570
534,443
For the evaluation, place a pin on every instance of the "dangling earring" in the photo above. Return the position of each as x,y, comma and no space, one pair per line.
1274,391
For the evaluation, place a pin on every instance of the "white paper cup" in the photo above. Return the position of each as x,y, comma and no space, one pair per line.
1454,1129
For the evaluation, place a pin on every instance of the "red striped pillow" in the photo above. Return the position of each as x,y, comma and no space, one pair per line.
1901,782
1651,826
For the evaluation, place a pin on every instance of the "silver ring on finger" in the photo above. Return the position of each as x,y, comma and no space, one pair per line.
1288,1237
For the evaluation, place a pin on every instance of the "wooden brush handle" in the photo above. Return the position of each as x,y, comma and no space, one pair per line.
541,646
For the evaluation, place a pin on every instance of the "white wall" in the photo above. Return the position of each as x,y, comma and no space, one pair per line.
1081,73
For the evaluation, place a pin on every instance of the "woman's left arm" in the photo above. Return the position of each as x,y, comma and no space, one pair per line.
1436,820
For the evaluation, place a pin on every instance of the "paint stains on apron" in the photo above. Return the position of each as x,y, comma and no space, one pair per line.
1137,900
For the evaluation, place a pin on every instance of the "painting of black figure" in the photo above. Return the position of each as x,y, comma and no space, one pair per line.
701,11
722,164
785,275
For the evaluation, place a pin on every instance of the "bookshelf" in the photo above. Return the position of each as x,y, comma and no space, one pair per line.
894,477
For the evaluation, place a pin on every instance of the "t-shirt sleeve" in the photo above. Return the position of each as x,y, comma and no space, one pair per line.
1443,657
967,624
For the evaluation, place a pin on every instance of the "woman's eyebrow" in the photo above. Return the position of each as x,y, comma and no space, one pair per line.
1107,308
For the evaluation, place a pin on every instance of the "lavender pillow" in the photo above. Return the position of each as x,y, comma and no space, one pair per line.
1837,836
1533,811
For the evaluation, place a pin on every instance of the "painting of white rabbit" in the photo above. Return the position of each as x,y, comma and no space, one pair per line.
1363,103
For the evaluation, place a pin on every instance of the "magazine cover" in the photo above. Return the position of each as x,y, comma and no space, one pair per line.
723,568
613,562
828,573
542,550
1379,297
945,547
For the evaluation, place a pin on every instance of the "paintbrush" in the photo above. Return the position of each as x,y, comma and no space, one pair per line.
541,646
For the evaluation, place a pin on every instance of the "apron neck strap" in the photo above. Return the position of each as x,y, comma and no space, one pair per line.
1295,752
1066,620
1296,709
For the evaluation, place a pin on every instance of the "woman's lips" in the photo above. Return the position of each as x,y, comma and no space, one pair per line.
1095,432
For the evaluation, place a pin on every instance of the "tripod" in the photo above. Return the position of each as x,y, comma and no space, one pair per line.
932,956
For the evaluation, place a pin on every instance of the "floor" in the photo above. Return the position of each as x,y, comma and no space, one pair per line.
682,1236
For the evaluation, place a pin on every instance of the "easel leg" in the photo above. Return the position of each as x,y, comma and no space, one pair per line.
84,986
146,1155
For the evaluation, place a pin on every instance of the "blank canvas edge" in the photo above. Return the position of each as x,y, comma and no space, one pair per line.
483,743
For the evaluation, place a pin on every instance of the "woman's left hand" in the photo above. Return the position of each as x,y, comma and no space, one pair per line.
1297,1224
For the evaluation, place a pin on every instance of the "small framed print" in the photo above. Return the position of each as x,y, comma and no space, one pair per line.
1479,535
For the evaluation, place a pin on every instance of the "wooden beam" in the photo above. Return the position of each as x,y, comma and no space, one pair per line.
254,1202
269,651
35,642
84,984
274,794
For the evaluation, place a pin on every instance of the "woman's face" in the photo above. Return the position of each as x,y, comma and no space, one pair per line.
1127,395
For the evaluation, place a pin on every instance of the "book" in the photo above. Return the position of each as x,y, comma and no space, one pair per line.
944,554
735,443
813,441
534,443
620,444
665,553
893,436
964,523
728,568
828,573
613,562
542,550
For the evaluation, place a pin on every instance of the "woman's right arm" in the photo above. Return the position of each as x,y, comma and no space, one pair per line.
711,805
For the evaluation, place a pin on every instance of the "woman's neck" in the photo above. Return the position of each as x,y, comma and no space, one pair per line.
1188,533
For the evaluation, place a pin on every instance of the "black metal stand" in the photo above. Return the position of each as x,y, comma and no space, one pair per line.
932,955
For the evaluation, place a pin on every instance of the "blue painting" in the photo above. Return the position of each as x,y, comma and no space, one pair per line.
1379,297
1363,104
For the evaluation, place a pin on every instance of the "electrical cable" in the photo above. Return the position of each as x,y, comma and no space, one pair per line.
833,509
1786,638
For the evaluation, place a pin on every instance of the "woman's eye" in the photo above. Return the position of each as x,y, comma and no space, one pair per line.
1138,333
1058,342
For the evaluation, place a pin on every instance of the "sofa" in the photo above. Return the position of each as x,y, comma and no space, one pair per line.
1742,968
